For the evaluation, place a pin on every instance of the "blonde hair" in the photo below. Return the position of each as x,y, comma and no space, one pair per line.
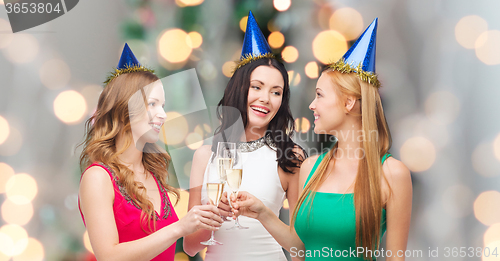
112,118
367,190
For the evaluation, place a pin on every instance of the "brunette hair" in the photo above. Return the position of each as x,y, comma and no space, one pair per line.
281,127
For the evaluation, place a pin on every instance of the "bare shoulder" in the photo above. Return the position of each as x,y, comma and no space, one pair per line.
96,188
201,156
202,153
305,169
97,177
309,162
396,172
199,164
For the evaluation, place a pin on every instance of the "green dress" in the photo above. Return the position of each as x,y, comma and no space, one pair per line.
329,230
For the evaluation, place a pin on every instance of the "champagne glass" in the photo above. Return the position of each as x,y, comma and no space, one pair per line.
234,178
226,152
234,182
214,193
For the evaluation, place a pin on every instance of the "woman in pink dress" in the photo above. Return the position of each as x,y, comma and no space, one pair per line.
124,195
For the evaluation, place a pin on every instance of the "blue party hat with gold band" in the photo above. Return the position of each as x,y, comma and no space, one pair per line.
127,59
127,64
255,45
360,58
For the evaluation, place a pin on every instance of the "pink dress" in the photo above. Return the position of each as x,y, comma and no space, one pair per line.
127,214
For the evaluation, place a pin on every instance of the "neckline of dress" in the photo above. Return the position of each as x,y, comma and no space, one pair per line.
249,146
165,207
334,193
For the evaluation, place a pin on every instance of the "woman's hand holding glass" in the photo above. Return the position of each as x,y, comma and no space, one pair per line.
214,193
201,217
234,177
224,208
248,205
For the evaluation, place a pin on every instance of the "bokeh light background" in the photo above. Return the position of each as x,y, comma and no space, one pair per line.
438,62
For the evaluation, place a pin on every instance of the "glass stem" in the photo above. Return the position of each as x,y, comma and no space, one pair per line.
235,193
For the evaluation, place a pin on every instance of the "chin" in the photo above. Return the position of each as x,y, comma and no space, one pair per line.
316,129
253,123
259,126
153,138
319,130
150,137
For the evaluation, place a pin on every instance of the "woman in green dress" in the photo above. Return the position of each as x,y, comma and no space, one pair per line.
355,192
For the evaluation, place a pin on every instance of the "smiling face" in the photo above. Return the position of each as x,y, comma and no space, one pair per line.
264,96
328,106
147,123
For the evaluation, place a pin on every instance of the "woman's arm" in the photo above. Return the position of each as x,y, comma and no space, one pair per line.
398,208
250,206
96,202
292,182
192,241
292,187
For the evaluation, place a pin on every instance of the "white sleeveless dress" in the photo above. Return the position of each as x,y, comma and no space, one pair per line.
261,179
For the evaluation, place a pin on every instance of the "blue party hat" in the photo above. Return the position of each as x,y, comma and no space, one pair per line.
255,45
127,64
360,58
127,59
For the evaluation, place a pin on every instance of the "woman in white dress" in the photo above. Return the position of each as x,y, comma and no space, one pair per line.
259,90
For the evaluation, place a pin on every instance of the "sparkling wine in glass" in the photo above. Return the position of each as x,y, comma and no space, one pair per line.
214,193
226,152
234,179
222,165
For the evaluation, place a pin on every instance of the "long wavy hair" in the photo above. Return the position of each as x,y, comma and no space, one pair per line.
367,189
281,127
117,105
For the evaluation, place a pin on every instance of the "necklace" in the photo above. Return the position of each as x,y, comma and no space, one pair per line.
256,144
